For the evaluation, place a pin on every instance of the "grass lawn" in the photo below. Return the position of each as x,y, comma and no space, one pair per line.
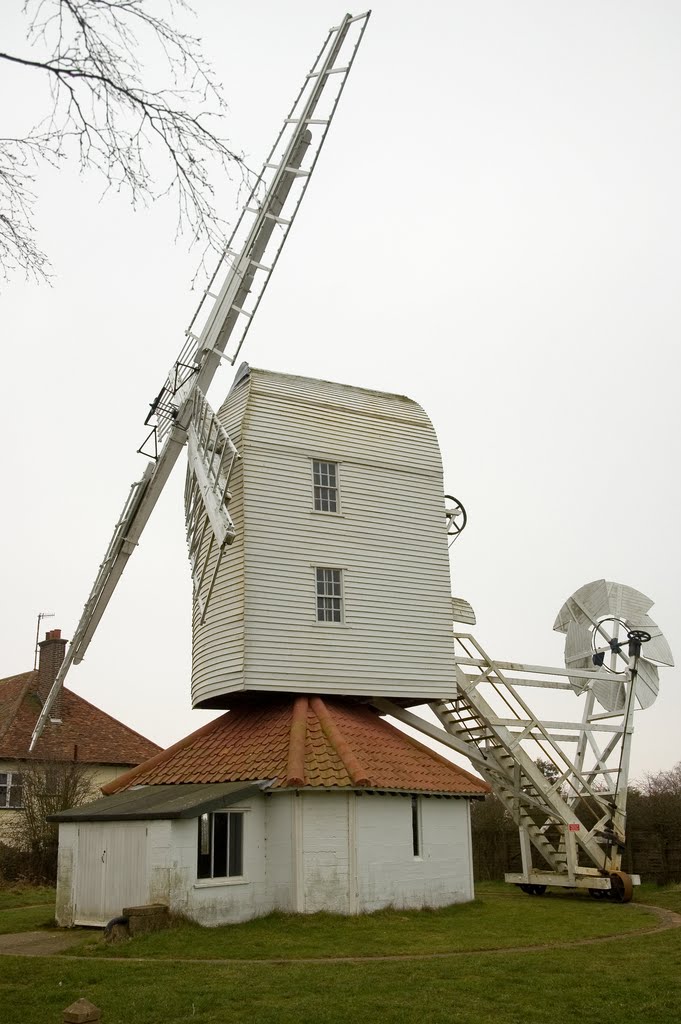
25,908
636,980
499,917
26,896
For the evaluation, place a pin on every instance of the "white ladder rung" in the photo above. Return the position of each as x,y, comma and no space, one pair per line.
238,309
260,266
278,220
351,21
307,120
329,71
289,170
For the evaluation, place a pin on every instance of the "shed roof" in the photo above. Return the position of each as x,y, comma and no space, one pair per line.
149,802
304,741
85,732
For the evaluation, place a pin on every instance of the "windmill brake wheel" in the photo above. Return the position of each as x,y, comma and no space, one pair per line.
621,887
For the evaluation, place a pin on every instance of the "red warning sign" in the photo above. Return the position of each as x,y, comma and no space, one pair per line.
573,826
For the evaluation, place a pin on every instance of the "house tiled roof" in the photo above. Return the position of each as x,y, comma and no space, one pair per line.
85,733
304,741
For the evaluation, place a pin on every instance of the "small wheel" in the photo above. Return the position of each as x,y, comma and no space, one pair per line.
455,515
621,887
533,890
598,894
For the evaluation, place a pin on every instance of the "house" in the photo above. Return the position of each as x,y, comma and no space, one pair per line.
332,592
78,733
295,804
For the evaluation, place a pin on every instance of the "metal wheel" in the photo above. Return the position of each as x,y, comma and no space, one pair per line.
621,887
455,516
534,890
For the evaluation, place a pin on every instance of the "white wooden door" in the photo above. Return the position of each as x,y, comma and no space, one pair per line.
112,870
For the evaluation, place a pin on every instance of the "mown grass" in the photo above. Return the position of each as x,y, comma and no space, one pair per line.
488,922
668,896
636,979
25,908
15,896
26,919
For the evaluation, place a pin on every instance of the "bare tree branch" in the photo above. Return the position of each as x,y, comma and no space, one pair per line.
144,142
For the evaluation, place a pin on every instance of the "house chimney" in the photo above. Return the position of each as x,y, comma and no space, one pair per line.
52,651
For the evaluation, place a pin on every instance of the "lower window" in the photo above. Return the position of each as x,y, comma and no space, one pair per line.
329,595
220,845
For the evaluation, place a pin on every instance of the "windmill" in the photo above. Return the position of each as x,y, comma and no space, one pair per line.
575,819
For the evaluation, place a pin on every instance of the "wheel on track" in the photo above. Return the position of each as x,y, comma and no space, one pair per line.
621,887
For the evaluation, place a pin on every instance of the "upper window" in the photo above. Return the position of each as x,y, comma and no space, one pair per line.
329,595
221,845
11,789
325,479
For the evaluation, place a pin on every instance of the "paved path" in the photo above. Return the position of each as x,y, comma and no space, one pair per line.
43,943
50,943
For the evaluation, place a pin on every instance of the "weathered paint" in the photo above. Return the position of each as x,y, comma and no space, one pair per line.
389,873
342,852
389,538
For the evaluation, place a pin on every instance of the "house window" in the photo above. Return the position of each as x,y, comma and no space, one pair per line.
329,595
325,479
220,845
415,827
11,789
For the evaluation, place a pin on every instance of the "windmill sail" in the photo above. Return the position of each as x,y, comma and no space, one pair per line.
223,317
211,457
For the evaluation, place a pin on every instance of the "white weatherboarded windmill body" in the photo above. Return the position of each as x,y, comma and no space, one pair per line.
315,594
317,532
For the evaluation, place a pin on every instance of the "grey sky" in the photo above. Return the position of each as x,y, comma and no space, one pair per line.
493,229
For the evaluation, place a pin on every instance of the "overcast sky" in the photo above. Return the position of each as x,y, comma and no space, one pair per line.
493,229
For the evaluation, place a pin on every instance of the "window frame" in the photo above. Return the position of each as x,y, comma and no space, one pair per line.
13,781
340,597
229,816
316,461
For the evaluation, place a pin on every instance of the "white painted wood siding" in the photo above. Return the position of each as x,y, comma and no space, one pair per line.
389,539
112,870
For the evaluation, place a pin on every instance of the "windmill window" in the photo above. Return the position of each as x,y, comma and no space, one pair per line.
329,595
220,845
325,480
416,843
11,789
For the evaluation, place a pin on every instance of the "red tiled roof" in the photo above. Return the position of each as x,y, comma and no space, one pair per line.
85,733
304,741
